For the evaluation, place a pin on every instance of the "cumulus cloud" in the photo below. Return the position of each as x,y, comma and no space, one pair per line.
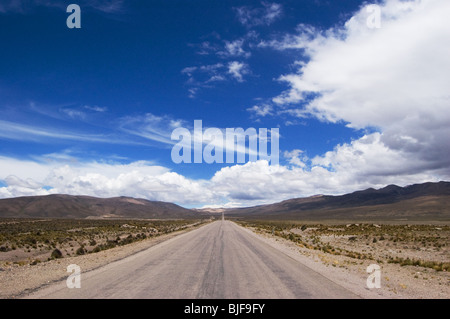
395,78
295,157
137,179
258,182
363,163
392,79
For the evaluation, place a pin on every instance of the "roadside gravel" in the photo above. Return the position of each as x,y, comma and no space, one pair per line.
16,280
397,282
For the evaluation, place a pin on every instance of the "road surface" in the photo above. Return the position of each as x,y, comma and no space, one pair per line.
219,260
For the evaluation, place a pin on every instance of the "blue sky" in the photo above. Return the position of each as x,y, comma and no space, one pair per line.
90,111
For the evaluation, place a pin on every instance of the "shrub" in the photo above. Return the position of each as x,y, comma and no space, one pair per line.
56,254
96,249
80,251
35,262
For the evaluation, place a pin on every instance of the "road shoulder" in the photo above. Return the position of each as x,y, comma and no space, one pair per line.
396,282
19,281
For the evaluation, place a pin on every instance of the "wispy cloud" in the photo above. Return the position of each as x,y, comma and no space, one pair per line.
224,48
151,127
261,110
82,113
23,132
205,76
234,49
73,113
106,6
96,108
265,15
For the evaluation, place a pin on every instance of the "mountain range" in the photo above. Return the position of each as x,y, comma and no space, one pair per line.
427,201
67,206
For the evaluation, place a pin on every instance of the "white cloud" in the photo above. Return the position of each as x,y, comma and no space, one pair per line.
261,110
234,49
238,70
202,76
192,92
107,6
22,169
205,48
348,168
189,70
151,127
266,15
205,76
74,114
96,108
138,179
394,79
23,132
363,163
294,157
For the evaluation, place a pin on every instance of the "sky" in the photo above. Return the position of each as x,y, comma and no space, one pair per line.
359,99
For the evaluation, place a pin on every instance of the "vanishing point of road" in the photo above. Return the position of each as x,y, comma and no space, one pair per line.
219,260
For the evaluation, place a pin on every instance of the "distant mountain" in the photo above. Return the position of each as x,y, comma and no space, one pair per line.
67,206
428,201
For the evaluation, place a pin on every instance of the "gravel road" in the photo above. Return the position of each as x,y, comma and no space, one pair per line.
218,260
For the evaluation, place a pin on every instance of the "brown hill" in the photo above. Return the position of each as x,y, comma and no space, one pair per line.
67,206
428,201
